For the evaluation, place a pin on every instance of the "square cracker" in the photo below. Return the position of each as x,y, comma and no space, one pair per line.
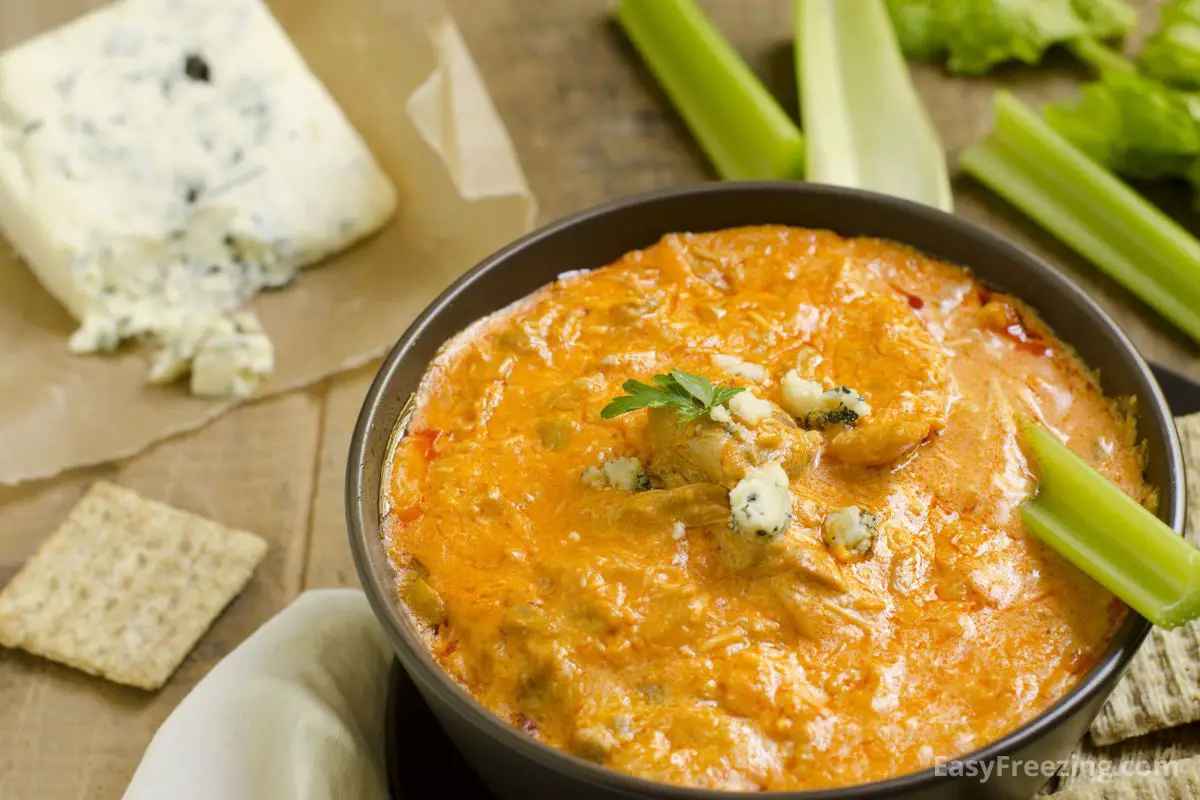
126,586
1162,766
1162,687
1174,780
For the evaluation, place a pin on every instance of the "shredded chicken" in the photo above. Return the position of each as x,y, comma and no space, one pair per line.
709,451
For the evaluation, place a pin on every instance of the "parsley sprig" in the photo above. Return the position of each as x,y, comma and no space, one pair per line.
692,396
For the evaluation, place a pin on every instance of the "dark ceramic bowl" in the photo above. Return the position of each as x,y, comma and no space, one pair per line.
517,766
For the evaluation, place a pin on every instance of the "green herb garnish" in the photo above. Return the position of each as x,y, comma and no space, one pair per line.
692,396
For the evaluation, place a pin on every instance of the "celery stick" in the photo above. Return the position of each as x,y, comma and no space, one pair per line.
739,125
864,123
1108,535
1088,208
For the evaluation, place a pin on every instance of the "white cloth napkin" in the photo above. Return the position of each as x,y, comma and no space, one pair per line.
297,711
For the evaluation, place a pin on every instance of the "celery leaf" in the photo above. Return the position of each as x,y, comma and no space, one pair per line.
976,35
1172,53
1132,125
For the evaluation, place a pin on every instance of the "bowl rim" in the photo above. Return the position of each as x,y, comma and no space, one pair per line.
427,674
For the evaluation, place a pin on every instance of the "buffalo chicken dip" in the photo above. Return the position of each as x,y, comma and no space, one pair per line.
740,511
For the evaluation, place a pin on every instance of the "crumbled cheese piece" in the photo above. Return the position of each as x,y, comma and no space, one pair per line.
801,396
162,161
573,536
227,354
623,473
595,743
233,358
850,532
591,383
720,414
749,407
739,367
640,359
594,477
817,408
618,473
679,531
761,502
852,400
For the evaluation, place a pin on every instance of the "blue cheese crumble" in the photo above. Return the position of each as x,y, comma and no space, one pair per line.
749,408
720,414
761,502
624,473
739,367
850,532
817,408
161,162
235,356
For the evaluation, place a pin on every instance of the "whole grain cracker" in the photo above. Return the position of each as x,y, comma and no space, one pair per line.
1162,687
1161,766
1175,780
126,586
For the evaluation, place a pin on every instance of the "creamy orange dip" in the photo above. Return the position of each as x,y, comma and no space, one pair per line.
621,611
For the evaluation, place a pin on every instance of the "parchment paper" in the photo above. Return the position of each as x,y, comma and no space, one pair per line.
402,74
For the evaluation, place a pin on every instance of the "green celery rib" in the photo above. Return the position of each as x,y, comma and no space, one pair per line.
1088,208
740,126
1097,527
864,123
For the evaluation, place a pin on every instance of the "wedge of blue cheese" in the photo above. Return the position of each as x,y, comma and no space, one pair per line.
161,162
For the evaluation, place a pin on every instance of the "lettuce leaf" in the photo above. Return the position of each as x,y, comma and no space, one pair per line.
1132,125
1172,53
975,35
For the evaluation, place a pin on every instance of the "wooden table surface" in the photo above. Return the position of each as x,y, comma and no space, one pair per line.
589,125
